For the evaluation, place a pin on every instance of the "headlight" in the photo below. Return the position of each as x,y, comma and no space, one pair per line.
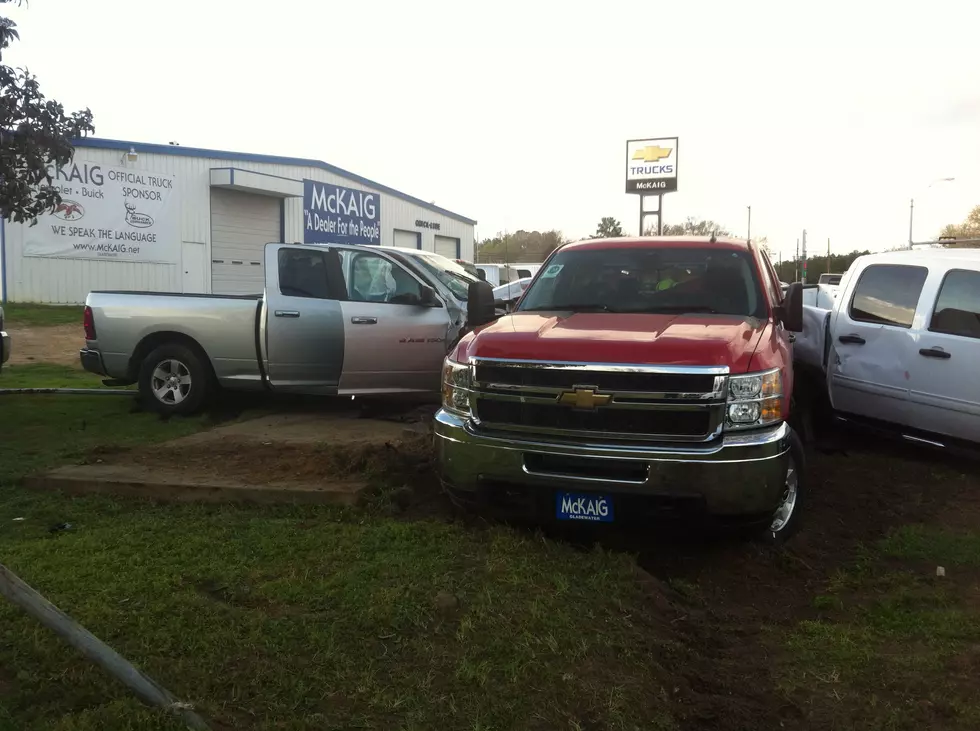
755,399
457,381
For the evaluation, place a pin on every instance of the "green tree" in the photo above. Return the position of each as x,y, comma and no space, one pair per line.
521,246
791,270
969,229
35,135
608,228
693,227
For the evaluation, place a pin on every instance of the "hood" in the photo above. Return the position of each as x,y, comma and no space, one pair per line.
636,339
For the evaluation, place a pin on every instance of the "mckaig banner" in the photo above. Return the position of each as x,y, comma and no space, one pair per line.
334,214
119,214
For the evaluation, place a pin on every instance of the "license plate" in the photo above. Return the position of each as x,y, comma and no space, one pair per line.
584,506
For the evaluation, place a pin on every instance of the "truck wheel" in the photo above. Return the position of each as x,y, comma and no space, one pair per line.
173,380
786,519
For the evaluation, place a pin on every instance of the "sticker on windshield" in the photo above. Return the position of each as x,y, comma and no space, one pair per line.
552,271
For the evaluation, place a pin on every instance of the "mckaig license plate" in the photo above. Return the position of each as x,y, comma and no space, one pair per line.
584,506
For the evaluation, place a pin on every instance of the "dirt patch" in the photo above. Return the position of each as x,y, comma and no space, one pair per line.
256,464
58,344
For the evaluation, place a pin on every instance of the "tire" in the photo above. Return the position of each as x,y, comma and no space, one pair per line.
180,397
786,522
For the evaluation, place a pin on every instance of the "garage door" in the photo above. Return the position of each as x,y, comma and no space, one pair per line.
408,239
446,246
241,225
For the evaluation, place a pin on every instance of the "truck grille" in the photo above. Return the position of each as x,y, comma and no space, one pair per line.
604,380
623,421
598,402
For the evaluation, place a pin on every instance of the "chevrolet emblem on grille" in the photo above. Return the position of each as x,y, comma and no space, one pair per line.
582,397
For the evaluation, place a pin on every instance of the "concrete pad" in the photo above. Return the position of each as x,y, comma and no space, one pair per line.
306,429
136,481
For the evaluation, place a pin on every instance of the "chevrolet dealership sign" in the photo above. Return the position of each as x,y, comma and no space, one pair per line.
651,166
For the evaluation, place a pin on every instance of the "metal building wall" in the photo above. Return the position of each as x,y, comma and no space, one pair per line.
37,279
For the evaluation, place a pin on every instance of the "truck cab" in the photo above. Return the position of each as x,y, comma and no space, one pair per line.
634,375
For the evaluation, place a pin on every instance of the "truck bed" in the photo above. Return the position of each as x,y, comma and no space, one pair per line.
224,327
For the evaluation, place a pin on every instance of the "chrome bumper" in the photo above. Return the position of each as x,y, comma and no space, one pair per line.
4,348
740,474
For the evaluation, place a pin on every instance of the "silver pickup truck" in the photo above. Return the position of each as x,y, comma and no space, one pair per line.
334,320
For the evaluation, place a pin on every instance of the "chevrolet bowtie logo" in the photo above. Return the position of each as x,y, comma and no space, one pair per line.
584,398
652,153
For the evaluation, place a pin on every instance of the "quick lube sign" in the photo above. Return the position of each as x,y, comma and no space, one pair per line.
651,166
334,214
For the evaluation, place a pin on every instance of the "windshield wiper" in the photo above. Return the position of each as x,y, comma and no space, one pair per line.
575,307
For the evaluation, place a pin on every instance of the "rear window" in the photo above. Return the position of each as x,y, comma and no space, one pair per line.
887,294
957,309
649,280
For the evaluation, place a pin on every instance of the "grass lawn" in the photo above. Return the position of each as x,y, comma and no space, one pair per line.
894,646
307,617
18,314
47,375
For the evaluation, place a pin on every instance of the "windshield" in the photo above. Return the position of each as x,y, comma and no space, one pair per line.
649,280
451,274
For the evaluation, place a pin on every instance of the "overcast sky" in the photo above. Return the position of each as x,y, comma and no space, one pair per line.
517,113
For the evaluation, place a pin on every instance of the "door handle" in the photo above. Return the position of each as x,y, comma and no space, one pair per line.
852,339
287,313
364,321
935,353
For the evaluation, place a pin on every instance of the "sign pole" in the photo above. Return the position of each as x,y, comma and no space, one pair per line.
642,210
660,215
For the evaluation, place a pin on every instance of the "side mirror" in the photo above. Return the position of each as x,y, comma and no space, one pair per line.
429,298
791,311
481,274
480,307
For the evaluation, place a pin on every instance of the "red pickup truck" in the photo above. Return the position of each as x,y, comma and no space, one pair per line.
635,378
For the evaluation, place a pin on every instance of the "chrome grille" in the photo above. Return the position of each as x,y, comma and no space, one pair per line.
648,403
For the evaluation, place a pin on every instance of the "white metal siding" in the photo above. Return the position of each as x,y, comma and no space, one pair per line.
446,246
406,239
241,225
34,279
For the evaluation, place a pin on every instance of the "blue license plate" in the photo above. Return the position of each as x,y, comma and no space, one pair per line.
584,506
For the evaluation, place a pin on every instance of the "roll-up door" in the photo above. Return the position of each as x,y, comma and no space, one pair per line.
241,225
408,239
447,247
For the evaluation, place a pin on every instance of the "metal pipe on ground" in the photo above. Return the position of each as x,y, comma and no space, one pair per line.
145,688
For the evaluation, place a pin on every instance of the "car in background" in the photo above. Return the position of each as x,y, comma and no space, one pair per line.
4,342
506,295
497,274
526,270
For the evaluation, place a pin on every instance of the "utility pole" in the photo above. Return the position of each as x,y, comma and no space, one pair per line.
796,260
804,257
911,211
748,234
828,255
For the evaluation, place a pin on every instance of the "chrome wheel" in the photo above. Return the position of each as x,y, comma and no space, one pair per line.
170,382
784,513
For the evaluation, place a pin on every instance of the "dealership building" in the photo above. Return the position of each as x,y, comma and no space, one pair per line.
166,218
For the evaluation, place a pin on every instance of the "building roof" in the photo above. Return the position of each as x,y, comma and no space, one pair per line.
179,150
656,241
